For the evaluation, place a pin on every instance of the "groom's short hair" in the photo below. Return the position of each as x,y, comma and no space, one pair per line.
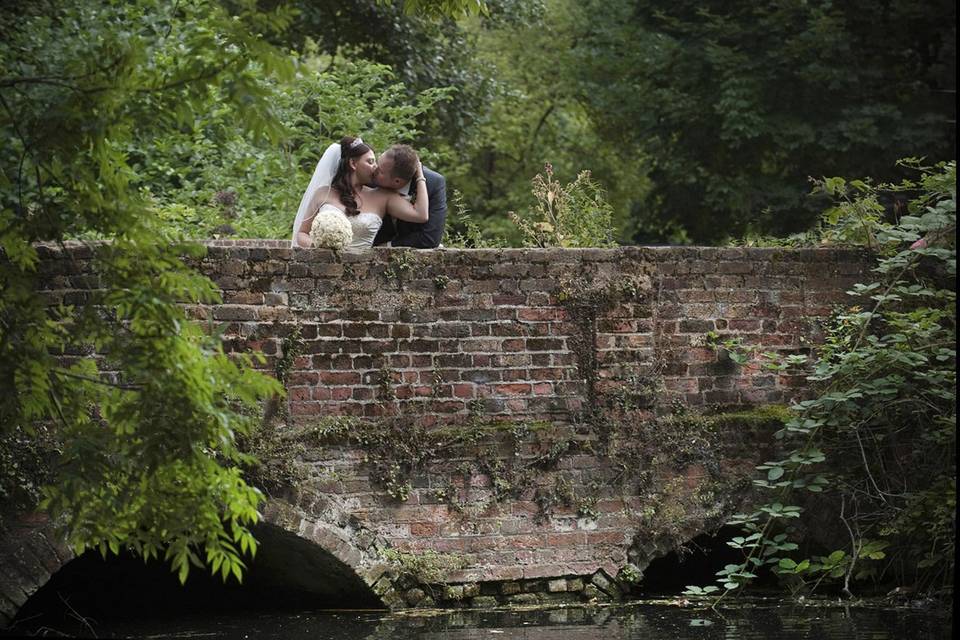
404,161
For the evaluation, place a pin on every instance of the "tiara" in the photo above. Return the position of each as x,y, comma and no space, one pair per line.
356,143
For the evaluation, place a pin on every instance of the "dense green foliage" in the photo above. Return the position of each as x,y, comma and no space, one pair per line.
533,117
147,455
701,122
878,442
505,117
736,103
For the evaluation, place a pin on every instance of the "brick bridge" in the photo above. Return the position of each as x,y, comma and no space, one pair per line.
473,427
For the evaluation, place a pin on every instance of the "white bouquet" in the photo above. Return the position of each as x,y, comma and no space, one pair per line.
331,230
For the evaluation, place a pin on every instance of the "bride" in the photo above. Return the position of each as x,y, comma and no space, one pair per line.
340,180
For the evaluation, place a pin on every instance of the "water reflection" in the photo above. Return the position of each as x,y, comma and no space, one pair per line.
647,621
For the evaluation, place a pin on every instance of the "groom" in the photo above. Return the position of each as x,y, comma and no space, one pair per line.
396,168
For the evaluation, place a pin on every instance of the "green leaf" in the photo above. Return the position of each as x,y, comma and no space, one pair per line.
836,557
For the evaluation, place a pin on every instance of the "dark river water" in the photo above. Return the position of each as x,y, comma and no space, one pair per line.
649,620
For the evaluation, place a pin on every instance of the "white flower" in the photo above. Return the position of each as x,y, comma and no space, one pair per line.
331,230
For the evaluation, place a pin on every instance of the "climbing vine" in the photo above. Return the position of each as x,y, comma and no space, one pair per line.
586,298
878,440
400,448
271,452
642,453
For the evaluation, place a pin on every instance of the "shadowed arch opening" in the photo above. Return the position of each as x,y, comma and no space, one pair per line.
695,564
289,564
288,573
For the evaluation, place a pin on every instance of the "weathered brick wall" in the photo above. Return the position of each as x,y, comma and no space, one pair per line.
530,543
503,329
461,337
448,327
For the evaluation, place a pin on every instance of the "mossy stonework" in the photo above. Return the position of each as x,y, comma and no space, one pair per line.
480,427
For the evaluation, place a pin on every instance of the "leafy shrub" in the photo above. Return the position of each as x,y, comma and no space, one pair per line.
463,232
878,442
572,215
147,460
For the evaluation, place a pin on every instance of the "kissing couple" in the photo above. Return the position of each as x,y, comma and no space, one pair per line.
375,196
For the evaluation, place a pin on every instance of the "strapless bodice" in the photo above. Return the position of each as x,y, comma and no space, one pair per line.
365,226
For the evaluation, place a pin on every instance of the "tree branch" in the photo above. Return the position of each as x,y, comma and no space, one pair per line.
854,547
107,383
536,130
9,83
61,81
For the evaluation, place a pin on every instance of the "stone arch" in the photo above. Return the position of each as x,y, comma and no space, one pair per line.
319,537
31,551
316,550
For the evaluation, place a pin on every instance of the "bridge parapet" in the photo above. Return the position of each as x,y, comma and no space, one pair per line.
516,333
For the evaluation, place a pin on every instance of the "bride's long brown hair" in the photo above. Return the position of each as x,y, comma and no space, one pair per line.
350,148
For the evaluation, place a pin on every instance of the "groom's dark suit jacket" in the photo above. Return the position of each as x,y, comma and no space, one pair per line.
419,236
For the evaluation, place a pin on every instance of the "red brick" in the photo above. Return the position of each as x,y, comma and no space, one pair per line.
685,385
305,408
339,377
610,505
464,390
570,539
296,394
545,571
744,324
341,393
376,346
696,354
522,508
423,529
513,375
779,340
547,313
360,393
546,374
511,389
542,388
516,406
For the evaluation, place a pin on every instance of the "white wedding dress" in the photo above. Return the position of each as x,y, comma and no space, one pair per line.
365,226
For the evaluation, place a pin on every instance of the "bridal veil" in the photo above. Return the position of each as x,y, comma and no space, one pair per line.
322,179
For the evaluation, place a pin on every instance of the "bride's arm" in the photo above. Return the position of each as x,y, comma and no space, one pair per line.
401,209
303,233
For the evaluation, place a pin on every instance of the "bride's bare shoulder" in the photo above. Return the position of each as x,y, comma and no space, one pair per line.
374,199
375,192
